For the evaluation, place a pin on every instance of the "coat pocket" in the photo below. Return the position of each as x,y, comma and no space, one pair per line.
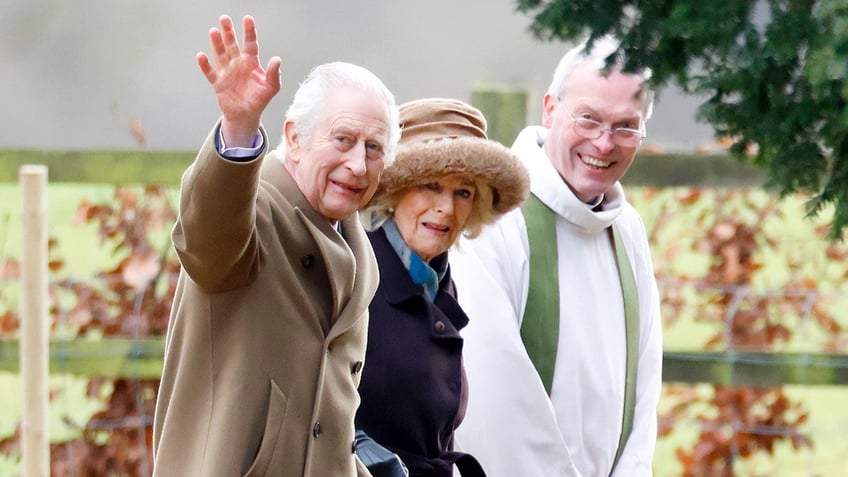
274,423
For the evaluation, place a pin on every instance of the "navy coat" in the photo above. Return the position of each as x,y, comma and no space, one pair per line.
413,385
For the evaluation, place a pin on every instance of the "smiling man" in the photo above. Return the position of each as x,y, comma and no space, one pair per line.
563,350
268,329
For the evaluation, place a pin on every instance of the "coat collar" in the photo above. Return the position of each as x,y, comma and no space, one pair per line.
398,288
548,186
350,262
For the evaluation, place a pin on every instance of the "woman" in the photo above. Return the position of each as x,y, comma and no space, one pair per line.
447,179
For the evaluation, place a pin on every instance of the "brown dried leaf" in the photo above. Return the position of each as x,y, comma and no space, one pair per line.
10,270
138,271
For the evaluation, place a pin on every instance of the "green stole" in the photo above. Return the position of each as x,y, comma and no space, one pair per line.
540,325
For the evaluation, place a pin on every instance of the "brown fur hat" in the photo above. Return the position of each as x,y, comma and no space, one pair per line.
443,137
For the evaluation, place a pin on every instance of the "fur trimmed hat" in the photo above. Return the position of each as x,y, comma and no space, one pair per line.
444,137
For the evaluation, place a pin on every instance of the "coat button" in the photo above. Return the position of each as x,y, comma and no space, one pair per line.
307,260
440,326
356,367
316,429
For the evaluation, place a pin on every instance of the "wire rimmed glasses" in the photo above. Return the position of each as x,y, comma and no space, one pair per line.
591,129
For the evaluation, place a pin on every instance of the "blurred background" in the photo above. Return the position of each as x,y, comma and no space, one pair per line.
94,74
753,294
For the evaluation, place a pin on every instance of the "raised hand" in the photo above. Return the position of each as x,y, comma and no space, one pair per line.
242,87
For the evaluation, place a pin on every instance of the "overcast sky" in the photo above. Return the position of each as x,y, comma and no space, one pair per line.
75,75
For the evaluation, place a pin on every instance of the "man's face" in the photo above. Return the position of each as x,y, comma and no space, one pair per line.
591,167
338,169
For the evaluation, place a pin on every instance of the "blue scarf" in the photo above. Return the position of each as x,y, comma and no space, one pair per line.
420,271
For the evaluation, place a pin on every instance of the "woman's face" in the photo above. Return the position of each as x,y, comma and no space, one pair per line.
430,216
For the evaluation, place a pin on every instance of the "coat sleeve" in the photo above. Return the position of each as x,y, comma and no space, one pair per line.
639,451
509,424
215,234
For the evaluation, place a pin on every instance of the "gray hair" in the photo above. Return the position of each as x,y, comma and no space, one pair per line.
596,58
310,98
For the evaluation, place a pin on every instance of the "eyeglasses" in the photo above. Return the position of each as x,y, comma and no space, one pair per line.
591,129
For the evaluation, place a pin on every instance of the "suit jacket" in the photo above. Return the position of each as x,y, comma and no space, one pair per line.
268,329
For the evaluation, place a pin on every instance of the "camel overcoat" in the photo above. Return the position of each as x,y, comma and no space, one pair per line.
267,335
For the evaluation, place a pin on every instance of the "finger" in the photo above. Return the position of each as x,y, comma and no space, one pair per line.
219,51
228,32
225,22
272,72
206,68
251,46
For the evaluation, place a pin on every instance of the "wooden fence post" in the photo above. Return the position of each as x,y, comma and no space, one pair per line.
505,110
34,357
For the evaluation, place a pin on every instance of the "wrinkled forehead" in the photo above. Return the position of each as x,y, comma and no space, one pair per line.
357,125
356,111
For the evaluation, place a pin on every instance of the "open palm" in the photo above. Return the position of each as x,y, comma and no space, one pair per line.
243,88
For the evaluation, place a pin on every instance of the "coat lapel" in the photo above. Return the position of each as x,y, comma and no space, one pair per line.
397,285
364,275
398,288
350,262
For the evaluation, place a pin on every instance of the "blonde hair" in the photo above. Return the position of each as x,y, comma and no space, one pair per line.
382,208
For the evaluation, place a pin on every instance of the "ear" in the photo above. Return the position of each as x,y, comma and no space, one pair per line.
292,138
549,105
